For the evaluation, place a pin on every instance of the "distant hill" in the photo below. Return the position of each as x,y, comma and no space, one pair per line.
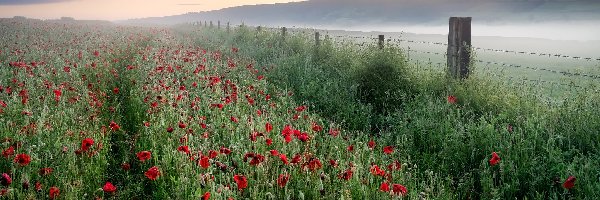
360,12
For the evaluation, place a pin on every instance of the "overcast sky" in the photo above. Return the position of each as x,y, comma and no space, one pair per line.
115,9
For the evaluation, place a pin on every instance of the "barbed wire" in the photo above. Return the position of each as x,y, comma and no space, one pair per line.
557,55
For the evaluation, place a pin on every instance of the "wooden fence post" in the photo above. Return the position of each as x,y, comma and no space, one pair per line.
317,39
205,24
228,27
219,24
283,31
211,24
459,47
380,43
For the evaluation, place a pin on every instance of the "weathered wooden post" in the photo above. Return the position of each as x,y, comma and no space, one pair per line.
219,24
205,24
283,31
459,47
211,24
227,27
380,43
317,39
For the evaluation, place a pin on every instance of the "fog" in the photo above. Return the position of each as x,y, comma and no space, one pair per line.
577,31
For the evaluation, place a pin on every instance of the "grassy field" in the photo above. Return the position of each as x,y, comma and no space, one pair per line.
186,112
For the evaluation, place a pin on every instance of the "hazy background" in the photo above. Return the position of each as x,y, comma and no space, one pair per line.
549,19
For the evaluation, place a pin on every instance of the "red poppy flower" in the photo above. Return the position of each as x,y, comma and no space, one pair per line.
144,155
346,175
114,126
54,192
333,163
38,186
109,188
152,173
86,144
8,152
375,170
334,132
234,119
350,148
169,129
569,183
303,137
316,127
451,99
395,166
296,159
184,149
371,144
96,53
116,90
300,108
5,179
125,166
225,150
314,164
57,94
206,196
181,124
385,187
274,152
495,159
388,149
399,189
269,141
204,161
283,158
212,154
46,171
283,180
241,181
23,159
268,127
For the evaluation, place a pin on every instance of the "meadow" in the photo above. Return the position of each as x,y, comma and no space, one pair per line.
95,110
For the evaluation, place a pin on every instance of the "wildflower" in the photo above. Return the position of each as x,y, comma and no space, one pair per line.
109,188
346,175
181,124
46,171
371,144
451,99
375,170
241,181
86,144
152,173
8,152
283,158
388,149
225,150
204,162
144,155
385,187
184,149
399,189
283,180
206,196
114,126
495,159
5,179
268,127
54,192
569,183
23,159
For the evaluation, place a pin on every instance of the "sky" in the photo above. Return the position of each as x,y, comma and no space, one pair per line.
115,9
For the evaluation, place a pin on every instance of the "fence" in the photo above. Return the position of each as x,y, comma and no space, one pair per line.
443,55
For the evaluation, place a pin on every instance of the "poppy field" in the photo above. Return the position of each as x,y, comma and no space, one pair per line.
92,110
